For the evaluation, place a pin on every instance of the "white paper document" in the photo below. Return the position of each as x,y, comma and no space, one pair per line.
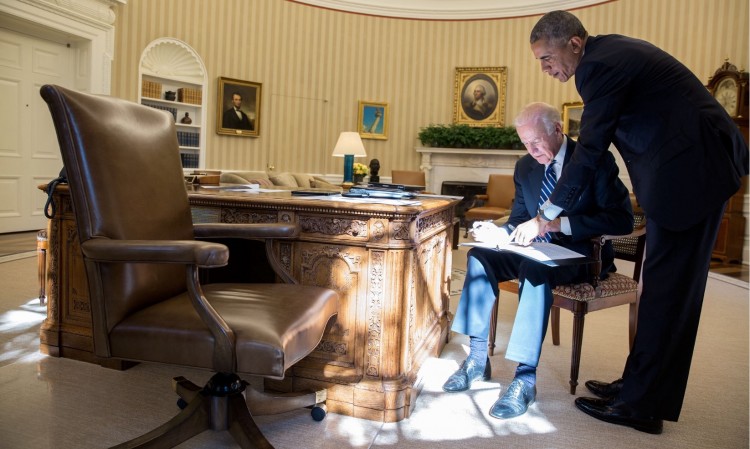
541,251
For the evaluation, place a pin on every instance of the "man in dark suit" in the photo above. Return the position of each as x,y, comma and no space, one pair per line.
685,157
604,208
234,117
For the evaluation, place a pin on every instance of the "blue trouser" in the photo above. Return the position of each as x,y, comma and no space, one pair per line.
485,268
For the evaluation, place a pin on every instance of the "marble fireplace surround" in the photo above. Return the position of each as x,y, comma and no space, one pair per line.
465,164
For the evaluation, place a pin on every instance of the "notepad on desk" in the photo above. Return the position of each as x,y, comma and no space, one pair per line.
546,253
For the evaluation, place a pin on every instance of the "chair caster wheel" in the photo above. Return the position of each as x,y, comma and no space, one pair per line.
318,412
182,404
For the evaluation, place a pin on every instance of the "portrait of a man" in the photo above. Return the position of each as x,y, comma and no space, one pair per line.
238,110
479,97
235,117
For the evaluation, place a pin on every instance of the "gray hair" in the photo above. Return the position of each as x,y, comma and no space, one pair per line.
557,27
539,113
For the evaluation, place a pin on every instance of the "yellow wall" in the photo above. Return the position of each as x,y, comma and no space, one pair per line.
315,65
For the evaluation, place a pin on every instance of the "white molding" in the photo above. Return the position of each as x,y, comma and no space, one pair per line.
450,9
464,164
85,24
173,58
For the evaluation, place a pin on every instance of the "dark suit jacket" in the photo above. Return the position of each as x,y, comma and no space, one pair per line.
230,120
603,208
684,154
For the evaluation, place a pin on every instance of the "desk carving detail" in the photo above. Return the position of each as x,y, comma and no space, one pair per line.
334,226
375,309
231,215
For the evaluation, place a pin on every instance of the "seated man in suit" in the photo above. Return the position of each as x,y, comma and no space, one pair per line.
604,208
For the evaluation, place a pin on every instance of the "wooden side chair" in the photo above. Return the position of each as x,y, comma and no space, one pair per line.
618,289
496,203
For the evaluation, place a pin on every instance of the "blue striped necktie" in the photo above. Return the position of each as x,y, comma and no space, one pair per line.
548,185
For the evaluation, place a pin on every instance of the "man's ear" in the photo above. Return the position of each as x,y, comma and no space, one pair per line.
577,44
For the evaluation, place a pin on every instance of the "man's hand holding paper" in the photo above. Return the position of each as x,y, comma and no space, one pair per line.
488,232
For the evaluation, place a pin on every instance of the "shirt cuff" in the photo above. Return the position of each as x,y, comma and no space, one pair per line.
549,211
565,226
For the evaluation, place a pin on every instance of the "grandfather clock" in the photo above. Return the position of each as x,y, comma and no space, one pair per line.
730,88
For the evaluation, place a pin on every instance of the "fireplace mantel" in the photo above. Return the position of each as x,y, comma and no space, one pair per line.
465,164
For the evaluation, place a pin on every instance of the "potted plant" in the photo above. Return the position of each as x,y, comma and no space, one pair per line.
359,171
465,136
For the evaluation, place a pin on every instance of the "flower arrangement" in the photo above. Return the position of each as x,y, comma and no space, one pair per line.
360,169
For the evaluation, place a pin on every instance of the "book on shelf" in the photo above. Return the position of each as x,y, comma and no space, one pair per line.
190,160
188,139
169,109
150,89
189,95
544,252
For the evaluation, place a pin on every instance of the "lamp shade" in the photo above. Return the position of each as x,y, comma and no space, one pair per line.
349,143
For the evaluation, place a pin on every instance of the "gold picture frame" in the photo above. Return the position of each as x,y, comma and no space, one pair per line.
246,122
571,117
479,97
372,120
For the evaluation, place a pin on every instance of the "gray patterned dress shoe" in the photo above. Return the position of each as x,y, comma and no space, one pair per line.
470,371
516,400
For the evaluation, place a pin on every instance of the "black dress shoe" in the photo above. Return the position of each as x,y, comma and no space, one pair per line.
618,412
603,389
516,400
470,371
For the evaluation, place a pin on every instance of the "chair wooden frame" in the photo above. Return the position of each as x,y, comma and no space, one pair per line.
618,289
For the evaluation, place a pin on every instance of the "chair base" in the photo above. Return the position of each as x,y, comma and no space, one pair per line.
221,405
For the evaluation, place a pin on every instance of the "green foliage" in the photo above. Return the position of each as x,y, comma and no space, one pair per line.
465,136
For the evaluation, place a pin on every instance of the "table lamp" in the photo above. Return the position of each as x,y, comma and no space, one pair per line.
349,146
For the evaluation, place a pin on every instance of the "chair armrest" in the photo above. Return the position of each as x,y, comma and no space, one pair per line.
253,231
245,230
189,252
637,232
477,201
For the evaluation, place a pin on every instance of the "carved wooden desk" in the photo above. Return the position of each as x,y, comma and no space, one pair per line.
391,265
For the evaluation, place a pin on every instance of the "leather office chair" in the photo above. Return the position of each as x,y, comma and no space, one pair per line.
142,260
409,178
496,203
618,289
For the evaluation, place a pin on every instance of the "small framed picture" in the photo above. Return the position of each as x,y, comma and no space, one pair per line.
479,96
571,117
238,111
373,120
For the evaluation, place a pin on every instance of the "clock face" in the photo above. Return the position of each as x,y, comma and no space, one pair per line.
726,94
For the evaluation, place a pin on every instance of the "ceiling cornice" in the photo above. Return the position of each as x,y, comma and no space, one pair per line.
450,9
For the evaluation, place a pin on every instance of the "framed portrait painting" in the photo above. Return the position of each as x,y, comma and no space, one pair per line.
373,120
238,111
479,96
571,117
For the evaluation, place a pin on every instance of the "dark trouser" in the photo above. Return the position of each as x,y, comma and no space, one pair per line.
674,282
